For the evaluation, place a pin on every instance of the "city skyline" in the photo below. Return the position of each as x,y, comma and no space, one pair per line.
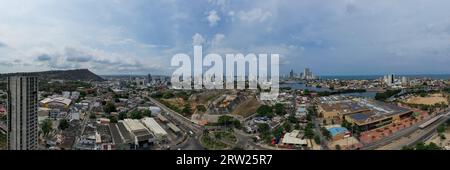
333,38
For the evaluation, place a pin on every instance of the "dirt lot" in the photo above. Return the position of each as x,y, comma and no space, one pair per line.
247,108
179,102
429,100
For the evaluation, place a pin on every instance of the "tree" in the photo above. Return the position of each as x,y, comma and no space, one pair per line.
168,95
292,118
187,109
147,113
92,116
312,110
46,126
317,139
287,126
225,120
229,121
441,128
309,133
63,124
136,115
110,107
112,119
279,109
201,108
123,115
326,133
263,128
265,110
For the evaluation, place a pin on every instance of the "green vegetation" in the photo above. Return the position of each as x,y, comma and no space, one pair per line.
226,136
171,106
386,95
423,146
441,128
279,109
325,133
265,110
317,139
123,115
92,116
57,87
118,96
109,107
182,94
168,95
229,121
187,110
63,124
137,114
112,119
212,144
328,93
200,108
292,119
46,127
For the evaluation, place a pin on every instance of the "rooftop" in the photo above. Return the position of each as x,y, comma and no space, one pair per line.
154,126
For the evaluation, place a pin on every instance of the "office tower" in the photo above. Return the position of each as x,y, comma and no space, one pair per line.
22,113
390,79
291,74
405,80
307,74
149,77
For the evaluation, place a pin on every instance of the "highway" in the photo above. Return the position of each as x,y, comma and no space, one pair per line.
398,135
420,135
193,141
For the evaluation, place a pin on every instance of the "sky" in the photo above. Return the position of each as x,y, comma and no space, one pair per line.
331,37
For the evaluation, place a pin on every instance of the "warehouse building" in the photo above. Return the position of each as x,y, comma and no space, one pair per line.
157,130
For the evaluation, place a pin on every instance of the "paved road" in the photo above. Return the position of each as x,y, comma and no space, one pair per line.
245,141
395,136
193,141
420,135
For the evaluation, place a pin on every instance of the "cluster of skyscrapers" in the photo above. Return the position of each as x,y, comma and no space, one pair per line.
306,75
390,80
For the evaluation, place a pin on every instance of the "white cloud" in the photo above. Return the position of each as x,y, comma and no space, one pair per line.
253,15
213,18
198,39
217,40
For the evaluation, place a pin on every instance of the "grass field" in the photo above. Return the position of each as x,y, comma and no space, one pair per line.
228,137
212,144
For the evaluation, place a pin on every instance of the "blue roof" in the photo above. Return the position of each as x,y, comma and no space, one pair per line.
337,130
359,116
301,109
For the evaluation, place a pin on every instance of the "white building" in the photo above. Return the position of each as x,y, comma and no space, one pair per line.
293,138
157,130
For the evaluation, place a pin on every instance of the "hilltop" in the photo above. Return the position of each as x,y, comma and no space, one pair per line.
77,74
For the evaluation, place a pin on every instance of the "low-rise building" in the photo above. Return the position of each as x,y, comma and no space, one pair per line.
157,130
338,132
294,139
142,137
